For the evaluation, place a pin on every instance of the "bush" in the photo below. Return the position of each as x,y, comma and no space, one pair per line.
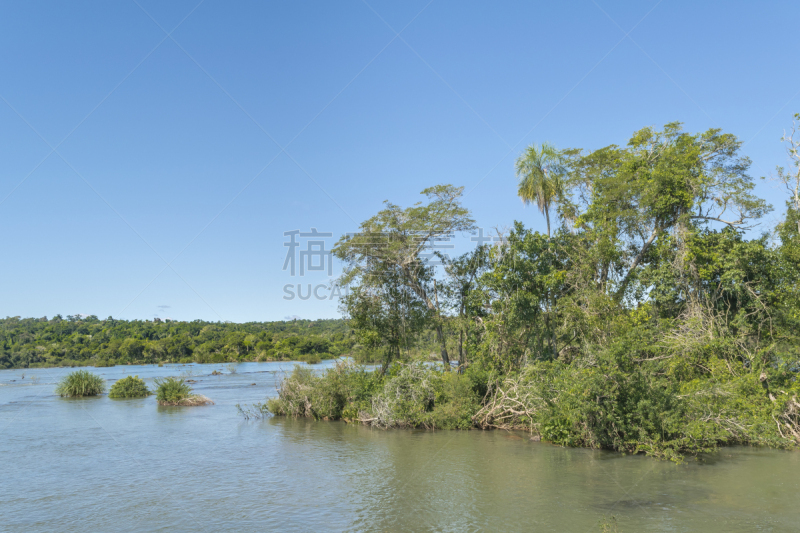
175,391
129,387
81,383
619,406
418,395
312,359
341,392
406,398
457,400
414,395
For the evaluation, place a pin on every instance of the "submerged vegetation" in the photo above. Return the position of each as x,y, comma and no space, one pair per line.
80,383
175,391
651,318
129,387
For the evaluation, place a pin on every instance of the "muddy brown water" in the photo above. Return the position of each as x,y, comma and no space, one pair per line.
128,465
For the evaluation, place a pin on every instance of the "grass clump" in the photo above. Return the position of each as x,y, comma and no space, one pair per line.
129,387
81,383
175,391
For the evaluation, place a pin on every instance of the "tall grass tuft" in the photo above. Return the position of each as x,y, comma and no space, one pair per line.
175,391
81,383
129,387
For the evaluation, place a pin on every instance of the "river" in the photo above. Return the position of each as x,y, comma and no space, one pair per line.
96,464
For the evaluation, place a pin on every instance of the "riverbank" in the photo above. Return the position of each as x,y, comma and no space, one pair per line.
597,407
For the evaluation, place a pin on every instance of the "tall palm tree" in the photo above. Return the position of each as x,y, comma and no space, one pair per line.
540,172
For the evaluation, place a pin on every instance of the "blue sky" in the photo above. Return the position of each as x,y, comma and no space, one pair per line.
152,154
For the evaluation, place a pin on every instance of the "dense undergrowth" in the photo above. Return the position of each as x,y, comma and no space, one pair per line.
603,406
407,396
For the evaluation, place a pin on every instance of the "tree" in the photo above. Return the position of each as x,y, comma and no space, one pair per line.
463,274
383,315
540,172
790,179
521,291
396,246
663,182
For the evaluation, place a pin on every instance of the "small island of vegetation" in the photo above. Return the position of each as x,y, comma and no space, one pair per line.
129,387
651,318
176,392
81,383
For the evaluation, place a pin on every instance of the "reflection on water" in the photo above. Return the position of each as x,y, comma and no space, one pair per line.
128,465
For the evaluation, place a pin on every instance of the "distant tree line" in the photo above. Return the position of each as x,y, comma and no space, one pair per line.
78,341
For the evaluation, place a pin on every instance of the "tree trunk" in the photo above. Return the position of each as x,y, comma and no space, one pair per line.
440,337
551,334
621,290
461,351
547,216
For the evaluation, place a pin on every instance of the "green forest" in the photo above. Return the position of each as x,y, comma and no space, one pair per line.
660,313
89,341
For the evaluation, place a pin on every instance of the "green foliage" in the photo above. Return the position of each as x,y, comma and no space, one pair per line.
172,391
394,295
455,403
408,395
81,383
313,358
646,323
541,172
340,392
407,398
129,387
88,341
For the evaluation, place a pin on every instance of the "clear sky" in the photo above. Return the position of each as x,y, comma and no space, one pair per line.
152,154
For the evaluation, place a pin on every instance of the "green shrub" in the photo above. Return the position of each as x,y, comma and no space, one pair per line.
129,387
456,402
410,395
171,390
340,392
312,359
407,397
81,383
175,391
